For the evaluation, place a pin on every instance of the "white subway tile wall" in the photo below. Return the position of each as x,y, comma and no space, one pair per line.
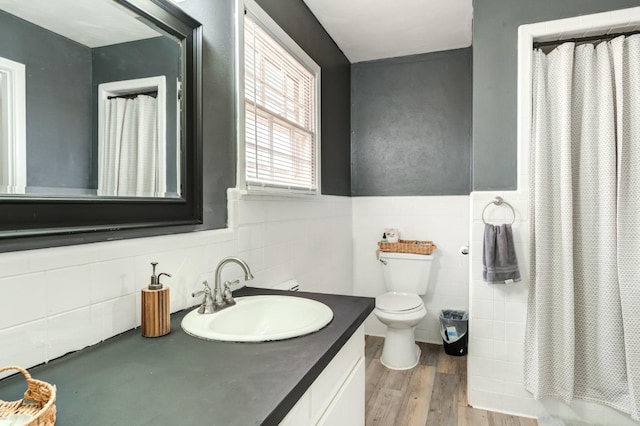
498,316
59,300
441,219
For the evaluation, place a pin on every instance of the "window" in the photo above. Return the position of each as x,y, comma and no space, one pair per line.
281,86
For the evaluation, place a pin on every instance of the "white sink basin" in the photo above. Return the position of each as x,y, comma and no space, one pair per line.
260,319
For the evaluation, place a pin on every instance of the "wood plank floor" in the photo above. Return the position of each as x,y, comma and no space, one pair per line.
434,393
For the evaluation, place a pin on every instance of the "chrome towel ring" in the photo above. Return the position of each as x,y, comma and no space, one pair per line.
498,201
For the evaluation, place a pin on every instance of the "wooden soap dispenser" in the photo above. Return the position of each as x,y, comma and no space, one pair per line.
156,311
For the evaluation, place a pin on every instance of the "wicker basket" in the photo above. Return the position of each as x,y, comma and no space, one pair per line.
409,246
39,401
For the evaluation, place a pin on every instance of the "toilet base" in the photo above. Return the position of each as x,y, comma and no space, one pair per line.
400,351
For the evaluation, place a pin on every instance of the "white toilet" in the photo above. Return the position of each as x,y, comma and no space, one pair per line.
406,277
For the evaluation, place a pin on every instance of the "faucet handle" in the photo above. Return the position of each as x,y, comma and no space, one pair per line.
206,307
207,290
226,295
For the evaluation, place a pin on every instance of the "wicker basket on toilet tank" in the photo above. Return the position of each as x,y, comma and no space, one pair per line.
408,246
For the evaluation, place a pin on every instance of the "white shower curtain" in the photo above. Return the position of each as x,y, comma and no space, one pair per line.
129,151
583,326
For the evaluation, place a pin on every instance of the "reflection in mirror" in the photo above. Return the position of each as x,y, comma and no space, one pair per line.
12,127
89,102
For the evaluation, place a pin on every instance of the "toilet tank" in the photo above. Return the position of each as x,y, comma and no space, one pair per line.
406,272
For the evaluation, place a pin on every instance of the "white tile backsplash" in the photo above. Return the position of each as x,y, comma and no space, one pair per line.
67,289
23,345
23,299
514,332
112,279
499,350
481,328
14,264
58,300
483,347
486,399
69,331
487,384
483,309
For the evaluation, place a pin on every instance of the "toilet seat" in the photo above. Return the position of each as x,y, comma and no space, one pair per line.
401,303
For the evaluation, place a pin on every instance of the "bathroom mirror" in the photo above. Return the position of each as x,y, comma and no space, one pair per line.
99,115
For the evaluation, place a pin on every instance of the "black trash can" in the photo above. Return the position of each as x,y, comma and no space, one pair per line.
454,330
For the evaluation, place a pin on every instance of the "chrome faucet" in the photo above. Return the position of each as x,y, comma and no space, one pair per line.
207,306
221,298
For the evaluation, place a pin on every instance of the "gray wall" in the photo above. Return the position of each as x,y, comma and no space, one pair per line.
219,124
139,59
58,80
411,125
297,20
495,35
218,103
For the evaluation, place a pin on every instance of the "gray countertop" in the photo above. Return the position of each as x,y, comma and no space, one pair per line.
180,380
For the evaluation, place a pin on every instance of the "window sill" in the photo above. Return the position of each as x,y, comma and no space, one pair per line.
270,195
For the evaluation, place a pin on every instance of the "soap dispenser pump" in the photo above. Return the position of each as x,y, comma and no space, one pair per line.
156,310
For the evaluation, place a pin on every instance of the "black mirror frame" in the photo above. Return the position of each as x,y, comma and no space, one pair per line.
48,222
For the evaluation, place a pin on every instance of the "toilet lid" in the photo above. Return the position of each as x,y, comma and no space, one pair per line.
396,302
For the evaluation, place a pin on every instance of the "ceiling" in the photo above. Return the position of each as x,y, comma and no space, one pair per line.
93,23
363,29
366,30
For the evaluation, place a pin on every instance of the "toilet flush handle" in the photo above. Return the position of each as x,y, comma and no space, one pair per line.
384,262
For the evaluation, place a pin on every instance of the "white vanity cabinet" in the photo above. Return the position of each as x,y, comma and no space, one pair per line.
336,397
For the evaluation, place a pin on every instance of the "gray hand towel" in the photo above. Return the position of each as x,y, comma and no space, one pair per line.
499,263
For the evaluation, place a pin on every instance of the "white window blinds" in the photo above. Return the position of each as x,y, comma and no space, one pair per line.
280,117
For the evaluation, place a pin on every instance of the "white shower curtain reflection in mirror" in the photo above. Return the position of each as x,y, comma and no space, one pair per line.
583,325
130,153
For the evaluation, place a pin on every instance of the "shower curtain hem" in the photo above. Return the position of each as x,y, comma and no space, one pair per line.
538,397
